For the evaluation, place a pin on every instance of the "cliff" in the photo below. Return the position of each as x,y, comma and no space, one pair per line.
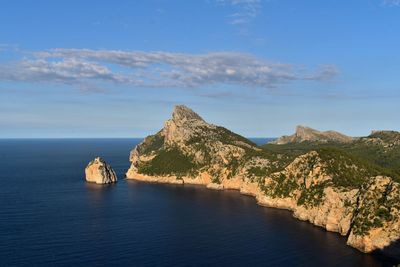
304,134
325,186
99,172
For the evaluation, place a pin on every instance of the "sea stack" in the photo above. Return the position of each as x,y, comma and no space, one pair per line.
99,172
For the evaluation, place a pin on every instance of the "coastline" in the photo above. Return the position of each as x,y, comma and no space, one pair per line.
251,189
332,214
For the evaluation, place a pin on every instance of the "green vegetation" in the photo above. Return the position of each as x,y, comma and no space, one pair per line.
383,213
277,162
387,158
296,149
258,171
365,221
223,135
386,136
152,143
233,166
347,203
215,179
346,169
228,137
312,196
168,161
354,161
282,187
376,208
220,134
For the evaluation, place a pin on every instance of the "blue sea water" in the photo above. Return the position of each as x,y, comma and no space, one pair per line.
49,216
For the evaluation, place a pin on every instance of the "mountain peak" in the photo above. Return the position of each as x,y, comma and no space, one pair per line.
182,113
302,130
304,133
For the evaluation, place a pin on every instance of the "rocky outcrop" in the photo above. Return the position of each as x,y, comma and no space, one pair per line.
326,187
304,134
376,222
389,140
99,172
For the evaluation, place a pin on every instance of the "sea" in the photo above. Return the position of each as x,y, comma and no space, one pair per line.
49,216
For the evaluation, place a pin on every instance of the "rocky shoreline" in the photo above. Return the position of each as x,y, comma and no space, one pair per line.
331,217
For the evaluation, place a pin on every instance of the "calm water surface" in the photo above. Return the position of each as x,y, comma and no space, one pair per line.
49,216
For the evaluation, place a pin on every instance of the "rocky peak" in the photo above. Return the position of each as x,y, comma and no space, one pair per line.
182,114
184,125
191,139
304,133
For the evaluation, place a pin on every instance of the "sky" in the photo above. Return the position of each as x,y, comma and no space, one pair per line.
257,67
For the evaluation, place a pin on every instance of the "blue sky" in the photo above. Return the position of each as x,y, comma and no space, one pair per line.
257,67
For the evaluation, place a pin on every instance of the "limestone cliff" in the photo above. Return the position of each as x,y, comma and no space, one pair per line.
304,134
376,218
326,187
99,172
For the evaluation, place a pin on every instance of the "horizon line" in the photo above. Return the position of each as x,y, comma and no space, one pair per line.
7,138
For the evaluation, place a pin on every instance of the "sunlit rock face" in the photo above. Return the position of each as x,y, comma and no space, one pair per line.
376,223
99,172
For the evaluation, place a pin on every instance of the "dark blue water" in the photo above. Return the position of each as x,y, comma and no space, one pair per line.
261,141
49,216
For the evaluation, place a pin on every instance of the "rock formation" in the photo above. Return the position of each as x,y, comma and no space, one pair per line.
304,134
378,199
327,187
99,172
385,139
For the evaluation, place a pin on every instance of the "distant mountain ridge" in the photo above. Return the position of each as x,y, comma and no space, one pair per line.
304,134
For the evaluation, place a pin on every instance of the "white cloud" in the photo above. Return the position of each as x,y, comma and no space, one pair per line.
391,2
246,10
88,68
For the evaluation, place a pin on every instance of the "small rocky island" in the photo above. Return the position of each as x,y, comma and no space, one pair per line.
343,184
99,172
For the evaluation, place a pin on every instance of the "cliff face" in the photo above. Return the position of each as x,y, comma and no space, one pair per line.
325,187
99,172
304,134
376,220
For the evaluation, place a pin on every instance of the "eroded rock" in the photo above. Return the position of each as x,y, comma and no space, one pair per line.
99,172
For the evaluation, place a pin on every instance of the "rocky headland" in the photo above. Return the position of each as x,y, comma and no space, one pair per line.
330,180
99,172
